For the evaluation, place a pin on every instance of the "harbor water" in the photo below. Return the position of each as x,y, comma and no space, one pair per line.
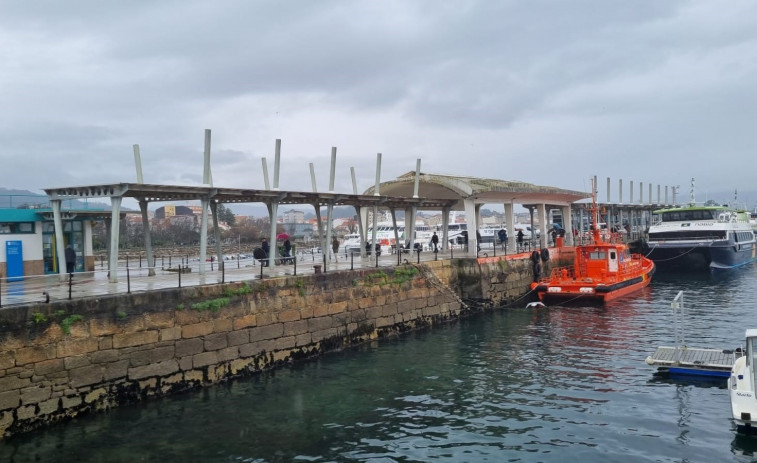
548,384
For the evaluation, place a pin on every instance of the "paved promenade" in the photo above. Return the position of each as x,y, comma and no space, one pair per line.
135,278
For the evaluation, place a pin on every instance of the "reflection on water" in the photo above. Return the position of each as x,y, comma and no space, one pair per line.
548,384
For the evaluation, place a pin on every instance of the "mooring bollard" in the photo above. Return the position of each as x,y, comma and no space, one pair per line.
316,269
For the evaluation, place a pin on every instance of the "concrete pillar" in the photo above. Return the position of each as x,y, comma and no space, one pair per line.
358,212
397,243
445,228
273,211
641,192
203,236
374,230
478,225
115,233
470,218
510,224
363,230
620,191
217,234
60,246
566,223
543,219
148,238
608,190
329,228
410,224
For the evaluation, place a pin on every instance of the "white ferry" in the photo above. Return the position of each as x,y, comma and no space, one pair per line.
714,237
385,235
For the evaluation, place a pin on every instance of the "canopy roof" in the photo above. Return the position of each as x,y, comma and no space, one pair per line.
481,190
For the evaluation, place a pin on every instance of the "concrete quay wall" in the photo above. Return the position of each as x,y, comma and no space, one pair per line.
62,359
504,280
59,360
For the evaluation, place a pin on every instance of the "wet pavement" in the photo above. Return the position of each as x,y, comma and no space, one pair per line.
135,277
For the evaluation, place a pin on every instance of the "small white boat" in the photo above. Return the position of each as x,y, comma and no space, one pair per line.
742,385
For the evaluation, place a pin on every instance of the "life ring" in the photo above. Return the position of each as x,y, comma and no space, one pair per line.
545,254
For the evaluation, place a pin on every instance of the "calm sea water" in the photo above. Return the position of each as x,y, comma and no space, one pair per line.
551,384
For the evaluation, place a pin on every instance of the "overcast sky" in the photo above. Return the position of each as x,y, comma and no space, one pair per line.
549,93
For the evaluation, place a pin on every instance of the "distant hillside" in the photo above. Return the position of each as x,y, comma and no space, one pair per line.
14,199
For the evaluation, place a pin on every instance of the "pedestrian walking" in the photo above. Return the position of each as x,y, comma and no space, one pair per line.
435,241
335,246
267,250
70,259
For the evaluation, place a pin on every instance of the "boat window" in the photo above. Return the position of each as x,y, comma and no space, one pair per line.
597,255
612,255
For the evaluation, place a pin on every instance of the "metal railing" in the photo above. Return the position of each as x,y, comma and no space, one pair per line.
180,271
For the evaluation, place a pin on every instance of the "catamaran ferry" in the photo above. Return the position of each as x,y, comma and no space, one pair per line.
714,237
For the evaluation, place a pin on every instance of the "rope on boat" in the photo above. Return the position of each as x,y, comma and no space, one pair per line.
672,258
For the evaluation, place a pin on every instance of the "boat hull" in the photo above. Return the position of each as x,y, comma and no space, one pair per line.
742,395
701,256
576,289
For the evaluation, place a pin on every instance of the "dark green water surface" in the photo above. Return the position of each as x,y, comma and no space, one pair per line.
550,384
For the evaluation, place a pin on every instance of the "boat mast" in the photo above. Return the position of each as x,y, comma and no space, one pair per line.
594,212
691,193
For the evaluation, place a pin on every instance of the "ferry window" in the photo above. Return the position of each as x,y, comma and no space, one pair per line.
612,255
597,255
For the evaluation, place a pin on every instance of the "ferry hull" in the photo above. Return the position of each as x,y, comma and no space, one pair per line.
696,256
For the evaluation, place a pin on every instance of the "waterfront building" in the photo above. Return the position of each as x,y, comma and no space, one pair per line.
28,241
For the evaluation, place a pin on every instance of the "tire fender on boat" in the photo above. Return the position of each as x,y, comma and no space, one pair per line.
545,254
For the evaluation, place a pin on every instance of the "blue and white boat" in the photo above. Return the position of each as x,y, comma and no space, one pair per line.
707,237
741,386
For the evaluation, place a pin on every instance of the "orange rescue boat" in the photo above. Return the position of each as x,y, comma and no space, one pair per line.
602,271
